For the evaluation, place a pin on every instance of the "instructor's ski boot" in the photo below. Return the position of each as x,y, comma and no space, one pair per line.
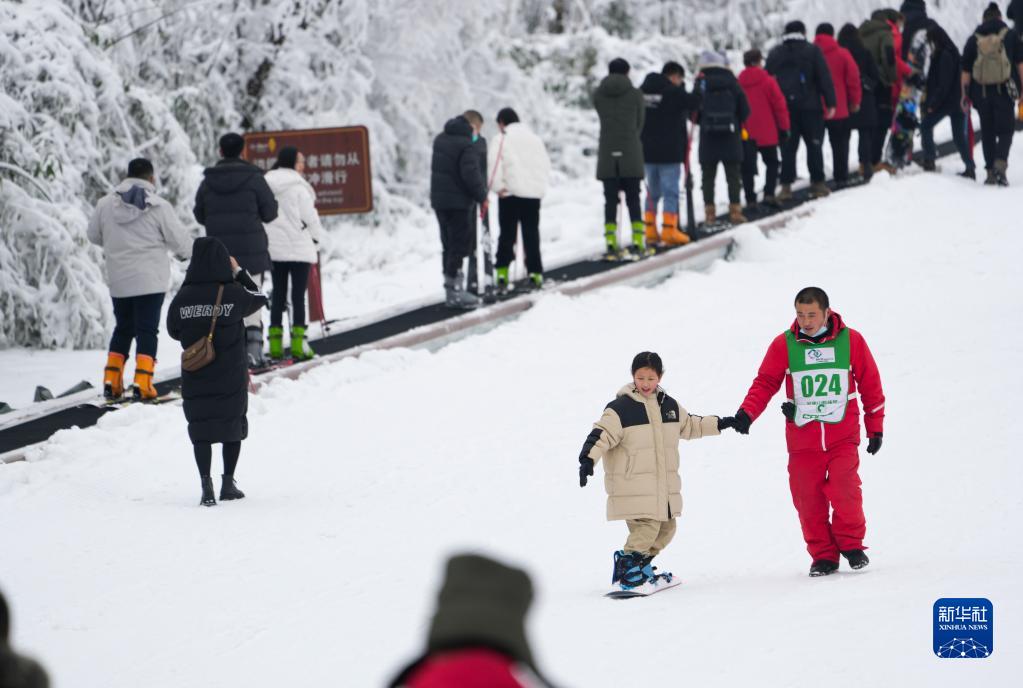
501,280
857,558
455,295
300,349
143,389
823,567
228,490
208,498
276,337
113,376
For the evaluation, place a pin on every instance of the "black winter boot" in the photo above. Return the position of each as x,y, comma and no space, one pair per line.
228,490
857,558
207,492
823,567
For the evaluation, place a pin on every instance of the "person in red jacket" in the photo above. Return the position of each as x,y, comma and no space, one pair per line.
845,74
769,117
897,20
826,367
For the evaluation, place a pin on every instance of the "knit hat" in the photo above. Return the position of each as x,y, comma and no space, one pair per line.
618,66
712,58
287,157
992,12
825,29
795,27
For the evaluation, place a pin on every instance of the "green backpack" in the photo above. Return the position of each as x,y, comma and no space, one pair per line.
992,67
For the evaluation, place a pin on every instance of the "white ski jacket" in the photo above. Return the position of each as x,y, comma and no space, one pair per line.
136,228
297,227
517,160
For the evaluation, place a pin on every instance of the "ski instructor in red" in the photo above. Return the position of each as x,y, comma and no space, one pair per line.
826,368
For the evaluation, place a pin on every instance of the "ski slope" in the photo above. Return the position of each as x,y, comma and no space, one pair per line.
362,476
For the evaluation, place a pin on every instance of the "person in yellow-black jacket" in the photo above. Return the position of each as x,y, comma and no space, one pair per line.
637,436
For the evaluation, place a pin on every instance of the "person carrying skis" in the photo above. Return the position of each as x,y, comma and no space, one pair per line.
723,110
992,72
665,140
519,169
622,111
294,237
136,228
457,184
216,396
825,367
637,436
845,75
767,122
803,75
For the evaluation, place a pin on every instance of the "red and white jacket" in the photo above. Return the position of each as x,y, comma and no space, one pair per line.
864,383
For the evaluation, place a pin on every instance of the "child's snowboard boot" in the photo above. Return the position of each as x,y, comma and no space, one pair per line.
113,376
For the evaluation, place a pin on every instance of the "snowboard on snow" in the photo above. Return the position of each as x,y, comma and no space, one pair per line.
662,581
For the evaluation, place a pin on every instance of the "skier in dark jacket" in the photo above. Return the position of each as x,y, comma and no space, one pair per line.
622,112
941,100
216,397
233,202
1015,13
457,183
802,72
864,120
665,141
993,87
723,110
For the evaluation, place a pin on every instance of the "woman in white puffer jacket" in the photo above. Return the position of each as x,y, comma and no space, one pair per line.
293,239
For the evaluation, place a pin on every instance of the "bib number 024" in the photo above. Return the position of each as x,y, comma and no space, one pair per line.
820,385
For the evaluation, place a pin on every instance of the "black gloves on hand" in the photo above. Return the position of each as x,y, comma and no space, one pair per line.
726,422
585,469
789,410
874,444
742,422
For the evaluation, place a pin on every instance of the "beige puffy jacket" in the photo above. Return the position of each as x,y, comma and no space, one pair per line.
638,439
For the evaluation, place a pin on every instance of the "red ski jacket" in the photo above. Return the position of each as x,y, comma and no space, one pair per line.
902,68
845,74
864,382
768,112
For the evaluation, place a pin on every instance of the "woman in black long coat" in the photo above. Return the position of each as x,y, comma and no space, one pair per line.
864,120
216,397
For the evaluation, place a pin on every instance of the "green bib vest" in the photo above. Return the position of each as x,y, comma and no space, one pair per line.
820,378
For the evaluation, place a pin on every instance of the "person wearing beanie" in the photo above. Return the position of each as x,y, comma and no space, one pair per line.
845,75
232,203
768,120
622,112
294,238
477,636
16,670
991,78
804,78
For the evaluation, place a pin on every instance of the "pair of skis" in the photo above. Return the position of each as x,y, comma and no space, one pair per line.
472,279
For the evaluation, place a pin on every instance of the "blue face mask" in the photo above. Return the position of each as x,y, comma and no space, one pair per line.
818,333
475,138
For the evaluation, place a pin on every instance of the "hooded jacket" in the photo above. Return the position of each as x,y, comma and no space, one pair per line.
457,178
637,437
233,202
720,146
664,134
296,230
845,75
864,383
802,73
622,112
216,396
136,228
518,163
768,112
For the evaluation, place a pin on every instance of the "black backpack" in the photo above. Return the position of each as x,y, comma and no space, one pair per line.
718,111
791,77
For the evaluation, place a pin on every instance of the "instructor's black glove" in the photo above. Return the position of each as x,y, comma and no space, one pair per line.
789,410
585,469
726,422
874,444
742,422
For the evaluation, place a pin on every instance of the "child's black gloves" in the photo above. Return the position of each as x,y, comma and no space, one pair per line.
585,469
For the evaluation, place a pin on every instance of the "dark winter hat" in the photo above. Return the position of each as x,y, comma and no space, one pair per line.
232,145
482,602
992,12
210,262
618,66
795,27
825,29
287,157
913,6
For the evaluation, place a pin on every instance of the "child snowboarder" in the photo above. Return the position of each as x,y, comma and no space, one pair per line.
638,439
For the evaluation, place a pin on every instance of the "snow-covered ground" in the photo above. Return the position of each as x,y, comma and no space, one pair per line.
362,476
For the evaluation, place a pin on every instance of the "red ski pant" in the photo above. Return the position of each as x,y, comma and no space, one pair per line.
826,483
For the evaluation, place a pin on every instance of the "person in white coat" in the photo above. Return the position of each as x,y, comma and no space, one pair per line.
293,238
136,228
519,169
